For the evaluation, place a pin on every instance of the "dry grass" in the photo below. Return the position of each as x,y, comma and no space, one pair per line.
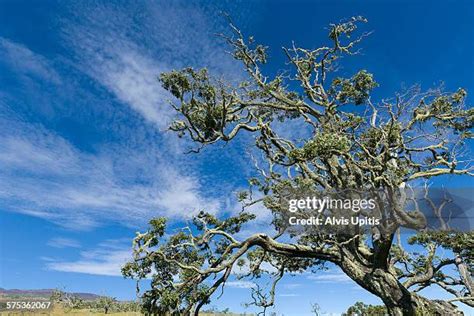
58,311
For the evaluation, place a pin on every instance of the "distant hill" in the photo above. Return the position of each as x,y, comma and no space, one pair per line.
41,293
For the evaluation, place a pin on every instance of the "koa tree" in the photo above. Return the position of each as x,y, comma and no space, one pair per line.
353,142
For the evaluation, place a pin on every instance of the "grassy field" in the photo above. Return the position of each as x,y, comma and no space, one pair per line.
58,311
86,306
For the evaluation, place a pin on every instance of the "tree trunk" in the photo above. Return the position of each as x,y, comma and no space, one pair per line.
398,300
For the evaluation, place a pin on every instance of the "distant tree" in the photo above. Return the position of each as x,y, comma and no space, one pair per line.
353,143
106,303
361,309
315,309
66,299
56,295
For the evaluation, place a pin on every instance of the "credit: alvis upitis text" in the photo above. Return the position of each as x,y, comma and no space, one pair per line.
334,221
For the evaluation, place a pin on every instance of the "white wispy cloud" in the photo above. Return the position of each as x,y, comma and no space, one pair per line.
288,295
43,175
292,285
333,276
24,61
240,284
126,54
61,242
107,259
133,79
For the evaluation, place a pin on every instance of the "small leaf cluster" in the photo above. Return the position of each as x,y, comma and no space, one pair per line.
354,90
346,28
322,145
360,308
461,243
200,100
388,135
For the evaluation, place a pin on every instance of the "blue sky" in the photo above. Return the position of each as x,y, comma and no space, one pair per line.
84,157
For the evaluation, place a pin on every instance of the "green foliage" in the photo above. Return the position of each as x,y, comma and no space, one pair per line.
68,300
158,225
185,249
446,111
199,99
323,145
346,28
387,135
361,309
105,303
102,304
356,89
461,243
